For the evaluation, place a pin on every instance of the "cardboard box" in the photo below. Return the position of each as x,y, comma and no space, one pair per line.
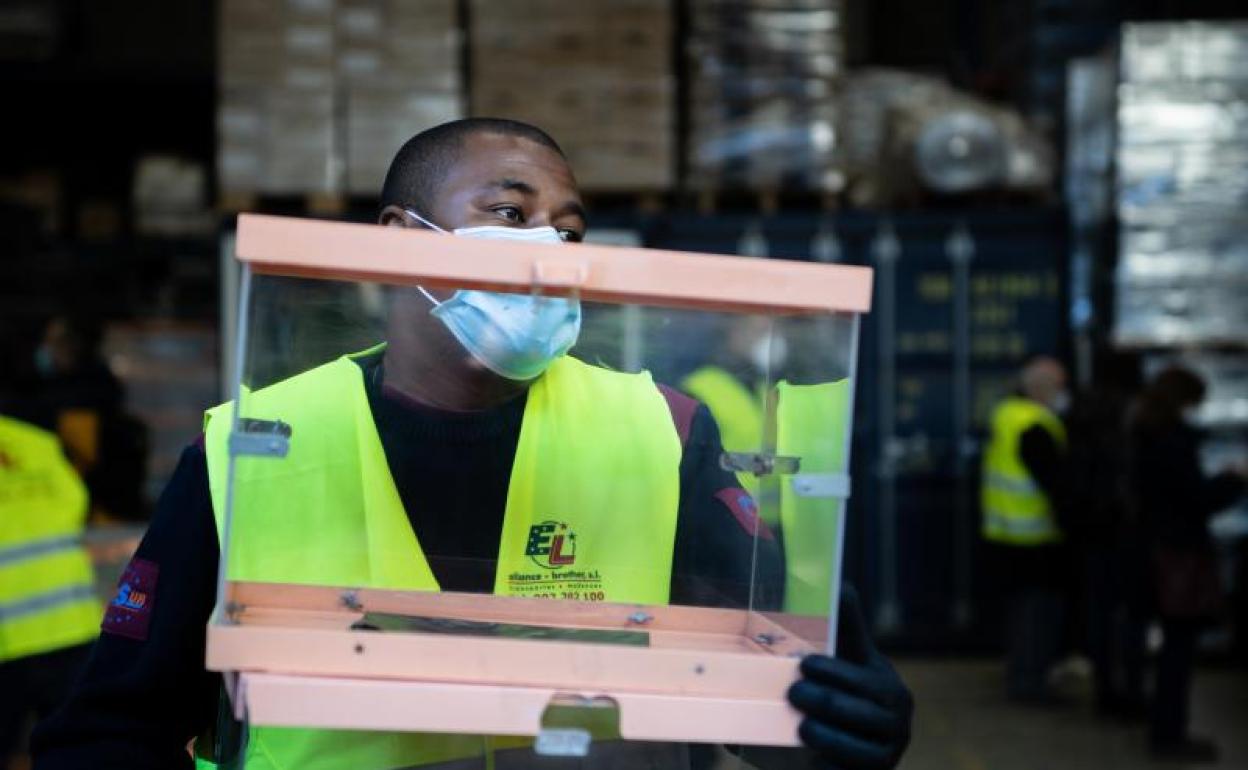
597,75
379,120
317,95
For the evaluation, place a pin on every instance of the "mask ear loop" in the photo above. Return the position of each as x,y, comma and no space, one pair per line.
428,296
423,221
435,228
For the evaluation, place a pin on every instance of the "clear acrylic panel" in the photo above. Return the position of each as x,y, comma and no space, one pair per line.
685,427
674,457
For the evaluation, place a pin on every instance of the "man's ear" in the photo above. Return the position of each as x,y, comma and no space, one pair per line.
393,216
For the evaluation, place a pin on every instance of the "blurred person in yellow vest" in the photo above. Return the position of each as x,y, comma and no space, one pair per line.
811,421
49,614
1021,498
470,453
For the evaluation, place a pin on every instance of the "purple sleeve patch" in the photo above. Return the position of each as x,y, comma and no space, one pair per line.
130,612
744,510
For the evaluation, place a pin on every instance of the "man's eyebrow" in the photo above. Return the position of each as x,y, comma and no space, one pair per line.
507,183
571,207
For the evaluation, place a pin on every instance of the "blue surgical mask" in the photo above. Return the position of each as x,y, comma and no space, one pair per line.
44,364
515,336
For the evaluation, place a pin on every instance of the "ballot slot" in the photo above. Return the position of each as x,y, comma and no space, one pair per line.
569,483
412,624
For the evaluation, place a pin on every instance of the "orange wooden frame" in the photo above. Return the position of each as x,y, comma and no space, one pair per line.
318,249
291,642
707,675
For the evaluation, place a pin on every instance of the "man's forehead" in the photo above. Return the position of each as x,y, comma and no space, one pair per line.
488,159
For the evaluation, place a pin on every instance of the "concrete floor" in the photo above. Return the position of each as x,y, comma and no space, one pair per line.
963,722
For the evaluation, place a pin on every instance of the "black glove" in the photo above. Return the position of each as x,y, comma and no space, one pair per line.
857,710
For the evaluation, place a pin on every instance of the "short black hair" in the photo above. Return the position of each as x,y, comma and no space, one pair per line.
422,162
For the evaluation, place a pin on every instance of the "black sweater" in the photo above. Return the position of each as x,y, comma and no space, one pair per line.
142,700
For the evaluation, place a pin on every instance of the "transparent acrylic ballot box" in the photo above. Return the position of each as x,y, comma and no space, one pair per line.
425,561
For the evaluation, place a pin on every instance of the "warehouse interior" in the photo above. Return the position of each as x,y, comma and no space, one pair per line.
1025,178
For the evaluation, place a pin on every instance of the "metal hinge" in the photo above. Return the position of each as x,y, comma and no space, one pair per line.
758,463
260,438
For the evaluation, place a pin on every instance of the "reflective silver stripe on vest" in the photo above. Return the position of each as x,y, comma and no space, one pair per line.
43,602
31,550
998,522
1013,486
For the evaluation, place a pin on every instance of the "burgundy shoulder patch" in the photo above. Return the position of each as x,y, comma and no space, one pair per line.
682,408
130,612
744,510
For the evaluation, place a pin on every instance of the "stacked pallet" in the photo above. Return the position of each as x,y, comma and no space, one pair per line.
316,95
596,75
275,116
764,77
399,65
1182,166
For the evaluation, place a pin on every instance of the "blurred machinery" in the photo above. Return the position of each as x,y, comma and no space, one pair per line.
906,134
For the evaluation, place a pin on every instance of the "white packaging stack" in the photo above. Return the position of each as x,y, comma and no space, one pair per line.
1182,167
398,63
764,79
275,118
596,75
316,95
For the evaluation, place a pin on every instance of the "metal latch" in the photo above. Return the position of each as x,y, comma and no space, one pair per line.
759,464
563,742
835,485
260,438
571,723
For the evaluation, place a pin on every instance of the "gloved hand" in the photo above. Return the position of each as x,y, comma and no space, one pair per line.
857,710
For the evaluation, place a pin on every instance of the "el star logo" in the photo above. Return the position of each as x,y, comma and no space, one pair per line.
552,544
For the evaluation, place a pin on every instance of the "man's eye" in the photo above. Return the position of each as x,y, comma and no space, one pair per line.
571,236
510,213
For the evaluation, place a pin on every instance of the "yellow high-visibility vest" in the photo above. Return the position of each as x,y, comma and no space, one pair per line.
47,594
591,515
810,424
1015,510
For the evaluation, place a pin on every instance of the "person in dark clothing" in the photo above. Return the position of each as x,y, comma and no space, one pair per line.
74,393
1174,499
1109,553
449,428
1023,497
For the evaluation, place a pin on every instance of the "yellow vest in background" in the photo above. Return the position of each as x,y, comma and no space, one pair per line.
811,421
1015,510
738,412
593,496
810,424
47,593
